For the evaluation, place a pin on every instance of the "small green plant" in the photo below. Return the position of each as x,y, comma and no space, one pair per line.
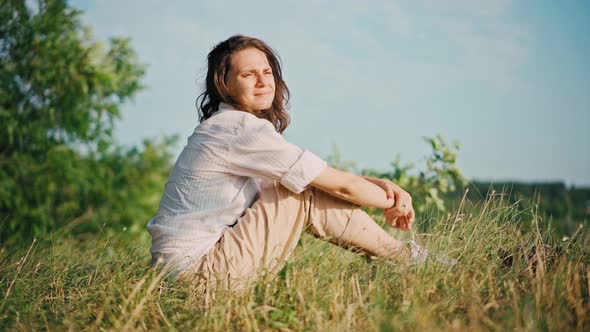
442,175
335,160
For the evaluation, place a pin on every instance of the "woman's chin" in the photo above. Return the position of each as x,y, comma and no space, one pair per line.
263,105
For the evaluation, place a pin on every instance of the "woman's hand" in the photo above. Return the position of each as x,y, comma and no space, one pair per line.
401,215
397,217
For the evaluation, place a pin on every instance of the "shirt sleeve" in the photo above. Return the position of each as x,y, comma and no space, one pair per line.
259,151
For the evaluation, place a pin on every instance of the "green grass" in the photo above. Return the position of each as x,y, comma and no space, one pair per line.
514,274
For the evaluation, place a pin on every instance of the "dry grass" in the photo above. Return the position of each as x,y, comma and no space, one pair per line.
514,274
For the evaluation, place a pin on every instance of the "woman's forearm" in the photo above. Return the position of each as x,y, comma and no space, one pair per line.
367,193
352,188
371,179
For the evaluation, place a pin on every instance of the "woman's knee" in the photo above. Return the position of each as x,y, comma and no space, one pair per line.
329,215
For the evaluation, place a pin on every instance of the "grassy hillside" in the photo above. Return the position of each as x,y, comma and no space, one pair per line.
513,275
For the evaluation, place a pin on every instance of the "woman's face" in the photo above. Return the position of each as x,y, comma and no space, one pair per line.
251,82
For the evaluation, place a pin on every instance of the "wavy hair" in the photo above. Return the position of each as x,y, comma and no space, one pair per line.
218,67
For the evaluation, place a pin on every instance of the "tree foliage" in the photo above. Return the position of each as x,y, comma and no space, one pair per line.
60,94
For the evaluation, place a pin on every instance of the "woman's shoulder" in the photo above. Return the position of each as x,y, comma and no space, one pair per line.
239,120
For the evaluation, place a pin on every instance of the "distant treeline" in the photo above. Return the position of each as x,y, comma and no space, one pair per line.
568,207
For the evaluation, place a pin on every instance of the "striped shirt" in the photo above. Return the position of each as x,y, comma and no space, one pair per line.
217,176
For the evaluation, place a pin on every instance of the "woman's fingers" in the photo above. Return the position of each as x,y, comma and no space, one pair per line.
398,223
392,221
408,223
398,211
405,225
402,214
411,216
392,213
390,193
401,222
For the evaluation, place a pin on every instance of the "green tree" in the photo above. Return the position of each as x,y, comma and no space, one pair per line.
60,94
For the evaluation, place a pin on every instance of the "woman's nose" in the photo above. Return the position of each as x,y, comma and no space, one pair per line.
262,79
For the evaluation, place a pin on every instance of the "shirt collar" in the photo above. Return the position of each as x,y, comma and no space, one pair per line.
223,107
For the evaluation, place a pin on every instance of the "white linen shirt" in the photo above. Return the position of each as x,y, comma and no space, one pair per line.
217,177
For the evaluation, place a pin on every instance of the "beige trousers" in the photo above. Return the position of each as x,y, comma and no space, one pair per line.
266,234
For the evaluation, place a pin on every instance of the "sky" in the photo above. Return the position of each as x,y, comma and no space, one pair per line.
508,80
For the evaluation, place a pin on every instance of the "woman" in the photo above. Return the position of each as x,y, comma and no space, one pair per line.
239,195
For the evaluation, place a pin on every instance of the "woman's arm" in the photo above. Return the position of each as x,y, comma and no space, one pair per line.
372,179
402,215
353,188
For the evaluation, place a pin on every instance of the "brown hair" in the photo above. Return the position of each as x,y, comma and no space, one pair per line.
218,66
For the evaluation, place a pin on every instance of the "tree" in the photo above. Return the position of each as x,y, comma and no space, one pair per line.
60,94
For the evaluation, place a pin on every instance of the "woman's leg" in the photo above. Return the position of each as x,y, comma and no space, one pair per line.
266,234
347,225
260,242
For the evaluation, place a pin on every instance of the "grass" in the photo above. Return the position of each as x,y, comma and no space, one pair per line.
514,274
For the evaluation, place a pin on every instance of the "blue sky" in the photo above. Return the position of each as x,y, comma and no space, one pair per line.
507,79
